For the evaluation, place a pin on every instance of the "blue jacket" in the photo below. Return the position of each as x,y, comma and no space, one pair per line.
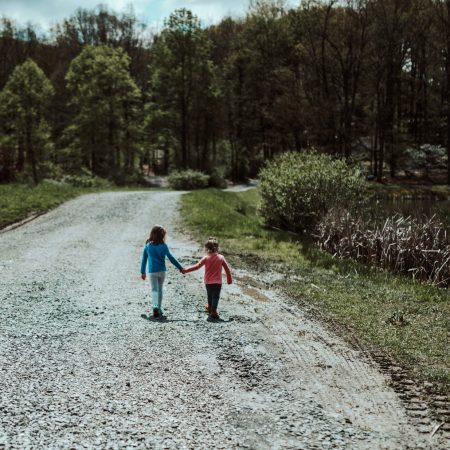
156,256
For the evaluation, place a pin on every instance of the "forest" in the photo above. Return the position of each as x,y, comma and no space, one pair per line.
365,80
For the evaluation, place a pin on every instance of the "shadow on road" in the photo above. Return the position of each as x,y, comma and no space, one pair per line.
166,320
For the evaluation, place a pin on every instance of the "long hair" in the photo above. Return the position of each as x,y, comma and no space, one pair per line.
157,235
212,245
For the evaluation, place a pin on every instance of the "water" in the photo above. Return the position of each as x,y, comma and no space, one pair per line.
416,207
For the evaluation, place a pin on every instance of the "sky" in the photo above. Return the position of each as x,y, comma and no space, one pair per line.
152,12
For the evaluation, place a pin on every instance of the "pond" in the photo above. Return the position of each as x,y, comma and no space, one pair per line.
417,207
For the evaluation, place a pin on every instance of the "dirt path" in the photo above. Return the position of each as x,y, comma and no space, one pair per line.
81,369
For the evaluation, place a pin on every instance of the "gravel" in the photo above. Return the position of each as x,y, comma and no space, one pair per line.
80,367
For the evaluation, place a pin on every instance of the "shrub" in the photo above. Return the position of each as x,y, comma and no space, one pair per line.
217,178
132,179
85,179
188,179
416,247
427,157
298,189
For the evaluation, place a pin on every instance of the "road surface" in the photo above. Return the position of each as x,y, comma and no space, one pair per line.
80,368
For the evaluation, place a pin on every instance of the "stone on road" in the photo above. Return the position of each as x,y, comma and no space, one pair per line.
80,368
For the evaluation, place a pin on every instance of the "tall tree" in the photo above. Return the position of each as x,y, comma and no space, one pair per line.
260,114
390,24
442,10
24,107
104,133
182,79
335,74
346,40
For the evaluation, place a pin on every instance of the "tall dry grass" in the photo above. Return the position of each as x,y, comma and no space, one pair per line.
419,248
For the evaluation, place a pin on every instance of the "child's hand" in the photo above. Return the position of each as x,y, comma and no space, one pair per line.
183,270
143,276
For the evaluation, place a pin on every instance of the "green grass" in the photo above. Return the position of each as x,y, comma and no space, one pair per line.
18,201
359,297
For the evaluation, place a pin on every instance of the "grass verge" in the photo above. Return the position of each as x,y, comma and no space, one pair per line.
18,201
406,319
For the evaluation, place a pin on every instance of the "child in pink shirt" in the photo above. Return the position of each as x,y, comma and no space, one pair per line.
213,263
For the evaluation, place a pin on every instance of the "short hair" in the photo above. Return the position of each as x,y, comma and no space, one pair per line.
212,245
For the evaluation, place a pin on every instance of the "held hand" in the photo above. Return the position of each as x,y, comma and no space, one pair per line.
143,276
183,270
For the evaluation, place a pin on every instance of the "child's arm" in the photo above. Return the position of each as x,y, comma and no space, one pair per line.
195,267
227,271
173,260
144,264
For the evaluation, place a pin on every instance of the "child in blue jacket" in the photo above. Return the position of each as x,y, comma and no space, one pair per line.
155,252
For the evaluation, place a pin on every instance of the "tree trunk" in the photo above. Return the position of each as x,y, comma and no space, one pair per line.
166,158
214,144
184,153
111,149
21,154
346,138
388,122
447,69
448,115
196,133
31,152
297,139
127,148
94,162
381,144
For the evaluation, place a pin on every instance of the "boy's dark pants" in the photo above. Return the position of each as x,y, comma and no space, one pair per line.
213,291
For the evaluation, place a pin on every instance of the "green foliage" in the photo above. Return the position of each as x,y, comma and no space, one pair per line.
350,293
183,90
104,133
17,201
188,179
240,91
217,177
85,179
24,102
298,189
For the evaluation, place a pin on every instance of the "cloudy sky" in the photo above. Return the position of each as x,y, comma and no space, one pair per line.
153,12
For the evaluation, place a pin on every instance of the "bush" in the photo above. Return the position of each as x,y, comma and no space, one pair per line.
416,247
298,189
51,171
85,179
217,178
188,179
133,179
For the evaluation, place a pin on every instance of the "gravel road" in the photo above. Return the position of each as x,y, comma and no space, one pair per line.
80,368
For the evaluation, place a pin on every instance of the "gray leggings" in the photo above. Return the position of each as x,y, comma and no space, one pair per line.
156,283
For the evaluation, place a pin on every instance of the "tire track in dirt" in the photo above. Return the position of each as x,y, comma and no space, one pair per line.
81,368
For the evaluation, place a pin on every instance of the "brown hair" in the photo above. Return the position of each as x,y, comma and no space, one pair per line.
212,245
157,235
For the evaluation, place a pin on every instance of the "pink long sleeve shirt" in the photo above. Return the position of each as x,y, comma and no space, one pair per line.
213,263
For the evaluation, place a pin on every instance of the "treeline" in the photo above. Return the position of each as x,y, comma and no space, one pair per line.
102,92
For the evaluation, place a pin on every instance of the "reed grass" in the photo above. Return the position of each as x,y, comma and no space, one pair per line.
367,301
416,247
